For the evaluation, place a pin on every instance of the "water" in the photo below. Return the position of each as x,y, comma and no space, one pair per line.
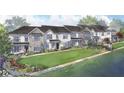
108,65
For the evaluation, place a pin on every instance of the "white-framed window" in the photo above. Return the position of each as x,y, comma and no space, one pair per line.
37,37
49,36
16,39
65,36
96,33
37,49
16,48
73,35
26,38
102,33
108,33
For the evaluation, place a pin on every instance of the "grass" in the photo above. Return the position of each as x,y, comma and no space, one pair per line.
54,59
117,45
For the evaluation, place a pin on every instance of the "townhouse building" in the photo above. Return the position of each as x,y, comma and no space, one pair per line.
97,33
39,39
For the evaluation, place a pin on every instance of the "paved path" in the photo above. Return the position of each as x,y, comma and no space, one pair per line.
70,63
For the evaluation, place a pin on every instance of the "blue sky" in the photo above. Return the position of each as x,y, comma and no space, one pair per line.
39,20
121,17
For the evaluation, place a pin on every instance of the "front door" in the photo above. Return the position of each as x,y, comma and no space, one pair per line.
26,48
57,46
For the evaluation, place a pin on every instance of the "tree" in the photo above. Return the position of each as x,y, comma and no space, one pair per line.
117,24
120,35
89,20
15,22
5,45
122,30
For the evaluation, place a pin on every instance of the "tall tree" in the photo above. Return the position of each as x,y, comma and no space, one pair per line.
5,45
15,22
89,20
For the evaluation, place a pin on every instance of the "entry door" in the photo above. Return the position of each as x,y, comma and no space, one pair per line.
57,45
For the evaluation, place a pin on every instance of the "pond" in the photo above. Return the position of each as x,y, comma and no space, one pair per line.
109,65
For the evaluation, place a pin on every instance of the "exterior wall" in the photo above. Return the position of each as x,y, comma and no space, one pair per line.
64,42
36,43
48,44
31,43
77,41
21,37
18,48
102,35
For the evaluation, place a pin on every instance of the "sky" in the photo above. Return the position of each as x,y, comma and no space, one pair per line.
39,20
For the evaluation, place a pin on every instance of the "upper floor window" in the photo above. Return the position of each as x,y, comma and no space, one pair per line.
37,37
57,37
26,39
102,33
65,36
73,34
16,39
108,33
49,36
96,33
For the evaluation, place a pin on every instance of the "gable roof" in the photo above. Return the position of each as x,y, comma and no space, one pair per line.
23,30
73,28
58,29
55,29
97,28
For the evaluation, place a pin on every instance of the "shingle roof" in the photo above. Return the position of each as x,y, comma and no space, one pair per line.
58,29
73,28
97,28
55,29
23,30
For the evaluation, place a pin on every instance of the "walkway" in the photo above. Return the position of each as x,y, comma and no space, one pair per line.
70,63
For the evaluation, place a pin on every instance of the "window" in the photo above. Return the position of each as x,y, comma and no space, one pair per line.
57,37
36,37
26,38
16,48
102,33
16,39
96,33
108,33
37,49
49,36
65,36
73,35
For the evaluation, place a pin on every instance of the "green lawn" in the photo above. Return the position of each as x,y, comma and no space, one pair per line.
117,45
50,60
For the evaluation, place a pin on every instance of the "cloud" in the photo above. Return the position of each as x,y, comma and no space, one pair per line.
3,18
62,20
38,20
105,19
